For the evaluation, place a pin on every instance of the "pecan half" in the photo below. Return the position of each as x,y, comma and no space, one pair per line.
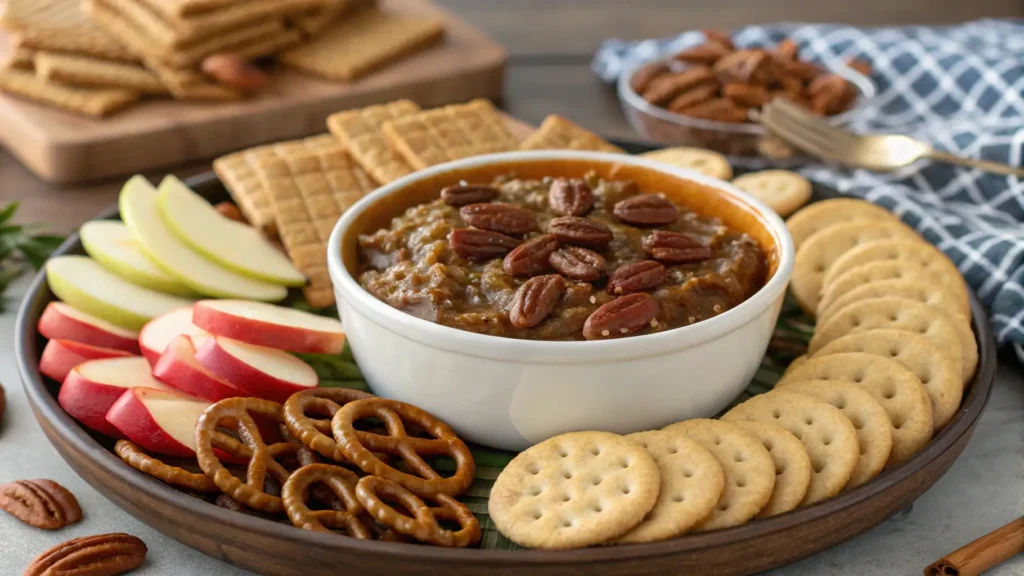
637,277
668,86
462,195
622,317
646,210
581,231
570,197
693,96
480,244
578,263
643,77
535,299
718,109
803,70
230,211
675,247
719,37
40,503
831,94
503,218
531,257
707,53
747,94
860,66
102,555
787,49
744,67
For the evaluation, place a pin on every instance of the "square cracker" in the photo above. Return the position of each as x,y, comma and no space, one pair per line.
181,32
89,72
360,131
21,59
449,133
87,101
62,26
362,43
309,191
238,173
558,133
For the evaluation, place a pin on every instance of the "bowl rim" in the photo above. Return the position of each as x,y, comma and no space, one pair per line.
628,96
500,348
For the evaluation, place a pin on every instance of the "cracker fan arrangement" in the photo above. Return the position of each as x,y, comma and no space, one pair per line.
165,338
96,57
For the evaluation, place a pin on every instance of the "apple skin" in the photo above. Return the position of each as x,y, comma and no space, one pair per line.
60,356
177,367
130,416
88,400
62,322
153,336
207,316
250,379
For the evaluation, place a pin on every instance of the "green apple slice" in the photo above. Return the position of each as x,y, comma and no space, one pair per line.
111,244
231,244
85,285
140,210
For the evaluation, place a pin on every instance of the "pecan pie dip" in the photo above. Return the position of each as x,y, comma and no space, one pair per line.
558,259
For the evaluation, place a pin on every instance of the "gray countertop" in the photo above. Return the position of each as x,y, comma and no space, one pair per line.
981,492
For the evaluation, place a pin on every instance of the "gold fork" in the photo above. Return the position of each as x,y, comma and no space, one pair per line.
882,152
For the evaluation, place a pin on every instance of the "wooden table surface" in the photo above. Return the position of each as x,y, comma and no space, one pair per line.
550,44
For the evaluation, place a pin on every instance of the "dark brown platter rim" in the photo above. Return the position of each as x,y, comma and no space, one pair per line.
44,405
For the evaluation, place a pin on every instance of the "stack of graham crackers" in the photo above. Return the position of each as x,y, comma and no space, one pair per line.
96,57
299,189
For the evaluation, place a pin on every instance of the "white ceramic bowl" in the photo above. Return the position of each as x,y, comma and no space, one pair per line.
510,393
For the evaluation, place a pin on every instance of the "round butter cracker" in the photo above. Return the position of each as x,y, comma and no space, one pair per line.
783,191
707,162
883,270
932,294
792,465
574,490
749,470
826,433
817,254
826,213
692,481
891,385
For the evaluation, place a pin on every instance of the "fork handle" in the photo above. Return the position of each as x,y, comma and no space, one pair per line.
986,165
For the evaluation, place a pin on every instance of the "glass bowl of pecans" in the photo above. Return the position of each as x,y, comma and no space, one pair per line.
708,95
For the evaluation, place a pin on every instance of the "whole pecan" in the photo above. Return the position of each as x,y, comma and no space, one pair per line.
623,316
503,218
693,96
40,503
464,194
637,277
646,210
675,247
581,232
744,67
102,555
718,109
570,197
535,299
578,263
480,244
643,77
668,86
531,257
747,94
707,53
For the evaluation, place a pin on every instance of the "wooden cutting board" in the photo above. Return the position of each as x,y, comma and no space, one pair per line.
63,148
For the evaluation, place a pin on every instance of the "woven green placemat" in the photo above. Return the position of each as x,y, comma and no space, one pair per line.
792,334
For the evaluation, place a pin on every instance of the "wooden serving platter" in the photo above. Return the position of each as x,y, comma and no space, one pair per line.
276,549
60,147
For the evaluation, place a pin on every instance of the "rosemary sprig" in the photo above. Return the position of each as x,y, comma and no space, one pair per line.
21,245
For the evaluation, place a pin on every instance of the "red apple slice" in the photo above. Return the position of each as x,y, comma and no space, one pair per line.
178,367
158,333
268,325
92,388
161,421
62,322
60,356
262,372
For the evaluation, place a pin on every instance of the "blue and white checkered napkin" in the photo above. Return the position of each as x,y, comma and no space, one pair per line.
960,88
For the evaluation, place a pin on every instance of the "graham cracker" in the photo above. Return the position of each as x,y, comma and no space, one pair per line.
317,21
363,43
449,133
309,191
558,133
84,71
182,8
21,59
60,25
180,31
238,173
257,34
360,131
87,101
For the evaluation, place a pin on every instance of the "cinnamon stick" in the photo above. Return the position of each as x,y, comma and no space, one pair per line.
982,554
